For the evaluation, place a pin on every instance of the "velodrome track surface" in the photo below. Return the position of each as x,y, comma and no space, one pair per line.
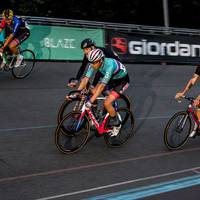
32,168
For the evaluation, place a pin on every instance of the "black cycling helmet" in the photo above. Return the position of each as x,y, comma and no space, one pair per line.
87,43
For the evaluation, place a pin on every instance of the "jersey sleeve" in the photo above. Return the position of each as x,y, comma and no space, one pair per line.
3,23
90,71
17,24
110,68
197,71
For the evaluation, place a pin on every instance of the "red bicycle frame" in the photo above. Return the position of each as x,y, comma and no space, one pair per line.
191,110
100,127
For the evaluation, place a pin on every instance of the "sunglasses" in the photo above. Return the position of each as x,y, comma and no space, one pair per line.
95,62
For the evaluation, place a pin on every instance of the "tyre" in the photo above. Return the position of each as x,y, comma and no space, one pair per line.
127,129
177,130
123,101
26,66
68,106
72,133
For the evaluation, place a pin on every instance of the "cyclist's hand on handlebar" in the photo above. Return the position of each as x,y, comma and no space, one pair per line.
88,104
72,96
179,95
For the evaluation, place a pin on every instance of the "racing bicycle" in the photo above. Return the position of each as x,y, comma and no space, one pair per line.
73,132
179,127
74,104
26,66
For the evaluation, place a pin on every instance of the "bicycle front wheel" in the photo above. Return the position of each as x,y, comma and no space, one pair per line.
177,130
26,66
127,128
72,133
67,107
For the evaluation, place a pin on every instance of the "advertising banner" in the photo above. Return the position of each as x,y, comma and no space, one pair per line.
60,43
153,48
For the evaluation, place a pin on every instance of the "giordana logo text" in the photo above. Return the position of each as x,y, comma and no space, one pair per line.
175,48
119,45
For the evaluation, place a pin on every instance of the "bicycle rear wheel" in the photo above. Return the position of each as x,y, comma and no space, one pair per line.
71,133
26,66
123,101
127,129
177,130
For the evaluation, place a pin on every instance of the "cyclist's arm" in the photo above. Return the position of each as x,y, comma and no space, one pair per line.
8,40
82,68
2,25
98,91
83,83
85,80
190,83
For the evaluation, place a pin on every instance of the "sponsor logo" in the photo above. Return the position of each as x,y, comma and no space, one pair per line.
176,48
119,45
59,43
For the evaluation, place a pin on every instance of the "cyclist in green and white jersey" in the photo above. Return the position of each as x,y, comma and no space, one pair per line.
114,74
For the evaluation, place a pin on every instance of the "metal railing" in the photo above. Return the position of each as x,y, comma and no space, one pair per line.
109,25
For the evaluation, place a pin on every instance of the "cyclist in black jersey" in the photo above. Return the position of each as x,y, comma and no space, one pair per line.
87,45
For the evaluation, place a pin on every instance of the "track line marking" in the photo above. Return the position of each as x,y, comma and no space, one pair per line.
151,190
52,172
27,128
53,126
118,184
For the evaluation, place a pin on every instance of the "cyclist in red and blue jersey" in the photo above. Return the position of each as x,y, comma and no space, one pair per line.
115,76
16,32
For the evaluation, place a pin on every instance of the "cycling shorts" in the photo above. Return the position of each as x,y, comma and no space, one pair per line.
22,36
119,85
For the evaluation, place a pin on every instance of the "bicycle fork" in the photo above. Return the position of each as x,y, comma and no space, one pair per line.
182,122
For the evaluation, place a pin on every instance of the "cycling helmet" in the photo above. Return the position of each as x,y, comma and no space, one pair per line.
87,43
8,14
95,55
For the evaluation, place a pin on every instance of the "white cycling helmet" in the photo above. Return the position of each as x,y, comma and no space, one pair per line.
95,54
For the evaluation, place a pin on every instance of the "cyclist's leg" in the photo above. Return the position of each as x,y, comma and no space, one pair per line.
198,108
13,46
116,124
119,87
19,39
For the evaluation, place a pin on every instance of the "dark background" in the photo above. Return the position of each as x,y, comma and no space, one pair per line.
183,13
